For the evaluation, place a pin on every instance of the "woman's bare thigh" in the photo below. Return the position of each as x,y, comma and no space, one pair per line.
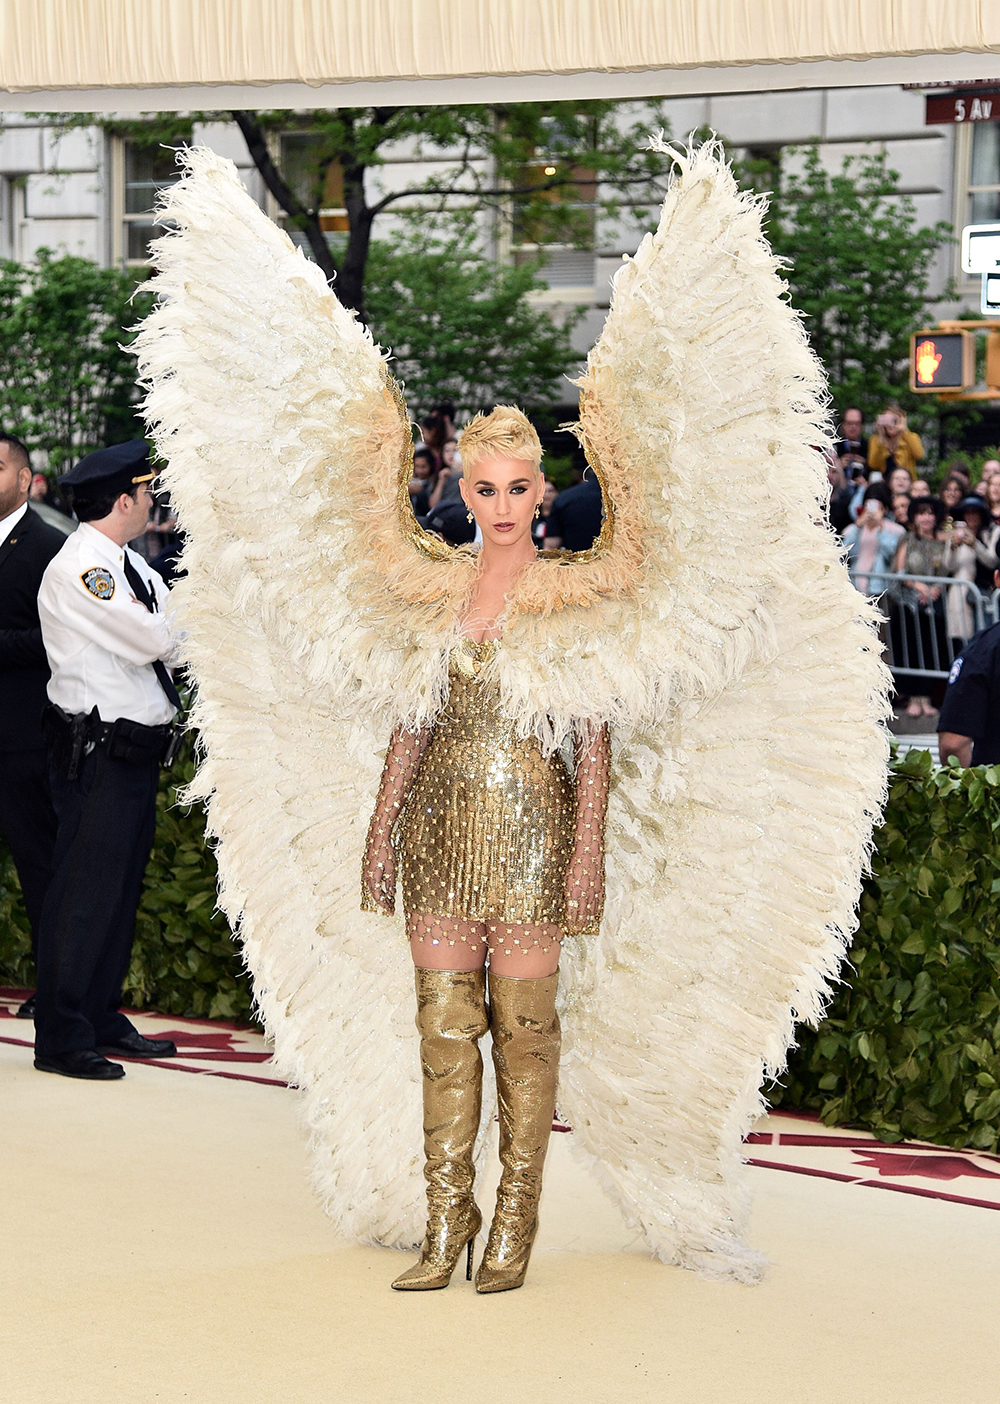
446,943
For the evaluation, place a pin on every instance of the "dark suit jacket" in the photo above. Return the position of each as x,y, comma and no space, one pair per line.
23,667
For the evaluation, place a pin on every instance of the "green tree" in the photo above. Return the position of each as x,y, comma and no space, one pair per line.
545,168
858,268
461,327
66,383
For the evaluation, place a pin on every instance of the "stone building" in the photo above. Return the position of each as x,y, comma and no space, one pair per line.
92,194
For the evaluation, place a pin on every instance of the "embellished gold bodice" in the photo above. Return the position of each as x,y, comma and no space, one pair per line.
488,826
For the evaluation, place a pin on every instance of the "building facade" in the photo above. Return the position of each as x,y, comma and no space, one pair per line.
90,193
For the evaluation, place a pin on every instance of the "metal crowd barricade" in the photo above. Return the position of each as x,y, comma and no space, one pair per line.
925,639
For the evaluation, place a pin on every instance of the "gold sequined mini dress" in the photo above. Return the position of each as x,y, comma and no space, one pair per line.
488,826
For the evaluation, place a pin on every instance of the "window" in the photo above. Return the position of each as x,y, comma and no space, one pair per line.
300,157
142,170
559,224
984,174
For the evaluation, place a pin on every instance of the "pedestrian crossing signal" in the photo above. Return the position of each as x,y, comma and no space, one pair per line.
941,361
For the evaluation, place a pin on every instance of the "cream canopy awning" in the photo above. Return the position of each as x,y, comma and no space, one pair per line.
176,54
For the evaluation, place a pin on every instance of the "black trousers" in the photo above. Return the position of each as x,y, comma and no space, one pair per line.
106,824
28,826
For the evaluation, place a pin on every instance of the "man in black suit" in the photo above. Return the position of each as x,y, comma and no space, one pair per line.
27,820
575,519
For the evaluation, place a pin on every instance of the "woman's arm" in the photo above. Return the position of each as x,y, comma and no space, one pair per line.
402,761
986,551
585,873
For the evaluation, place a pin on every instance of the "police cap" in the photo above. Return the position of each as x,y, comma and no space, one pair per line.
116,469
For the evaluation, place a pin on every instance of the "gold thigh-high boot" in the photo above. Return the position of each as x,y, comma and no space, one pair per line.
451,1017
526,1041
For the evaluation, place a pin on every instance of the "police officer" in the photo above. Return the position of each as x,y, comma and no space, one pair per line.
27,821
112,701
969,720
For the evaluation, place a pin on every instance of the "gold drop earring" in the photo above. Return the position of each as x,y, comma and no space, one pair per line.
469,518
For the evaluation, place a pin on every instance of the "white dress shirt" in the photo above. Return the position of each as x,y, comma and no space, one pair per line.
100,640
8,523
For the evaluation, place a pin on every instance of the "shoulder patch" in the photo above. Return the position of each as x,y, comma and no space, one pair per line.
956,668
100,582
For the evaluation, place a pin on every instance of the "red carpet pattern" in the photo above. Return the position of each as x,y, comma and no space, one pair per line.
785,1141
209,1046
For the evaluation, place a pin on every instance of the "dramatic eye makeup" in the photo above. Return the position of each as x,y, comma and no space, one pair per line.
520,485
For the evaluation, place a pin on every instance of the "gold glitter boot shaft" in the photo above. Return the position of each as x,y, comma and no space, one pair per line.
451,1017
526,1042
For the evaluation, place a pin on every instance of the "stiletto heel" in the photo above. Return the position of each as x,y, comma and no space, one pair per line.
526,1055
468,1260
451,1017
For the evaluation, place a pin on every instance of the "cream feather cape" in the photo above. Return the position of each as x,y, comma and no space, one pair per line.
714,627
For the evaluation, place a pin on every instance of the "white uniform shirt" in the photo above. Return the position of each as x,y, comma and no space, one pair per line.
100,640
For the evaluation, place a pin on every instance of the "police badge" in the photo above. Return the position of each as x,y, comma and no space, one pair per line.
100,582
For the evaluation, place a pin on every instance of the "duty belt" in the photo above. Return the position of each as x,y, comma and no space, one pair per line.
76,734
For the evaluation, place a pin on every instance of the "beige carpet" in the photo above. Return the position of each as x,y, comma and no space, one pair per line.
161,1244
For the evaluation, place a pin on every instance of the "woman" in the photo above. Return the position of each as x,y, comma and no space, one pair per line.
990,488
917,625
974,527
899,481
953,490
423,482
893,445
871,547
900,508
501,852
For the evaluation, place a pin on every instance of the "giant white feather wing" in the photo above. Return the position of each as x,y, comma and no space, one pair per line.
743,812
283,442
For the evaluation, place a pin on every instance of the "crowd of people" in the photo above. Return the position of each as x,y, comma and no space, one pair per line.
569,520
900,538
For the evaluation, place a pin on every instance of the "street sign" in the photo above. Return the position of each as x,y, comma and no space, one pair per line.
981,248
989,303
941,361
962,107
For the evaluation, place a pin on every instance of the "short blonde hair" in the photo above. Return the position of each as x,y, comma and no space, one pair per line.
505,432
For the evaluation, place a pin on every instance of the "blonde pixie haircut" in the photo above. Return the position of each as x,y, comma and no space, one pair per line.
503,433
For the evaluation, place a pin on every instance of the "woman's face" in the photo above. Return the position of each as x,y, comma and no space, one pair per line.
549,496
951,493
921,488
422,468
502,494
900,506
899,481
925,522
993,491
448,450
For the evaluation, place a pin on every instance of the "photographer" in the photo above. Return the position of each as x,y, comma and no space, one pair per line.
112,702
852,447
893,445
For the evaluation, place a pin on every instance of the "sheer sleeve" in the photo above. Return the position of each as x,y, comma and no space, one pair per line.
585,874
402,761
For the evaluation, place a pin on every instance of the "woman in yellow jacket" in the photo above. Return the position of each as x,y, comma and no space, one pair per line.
893,445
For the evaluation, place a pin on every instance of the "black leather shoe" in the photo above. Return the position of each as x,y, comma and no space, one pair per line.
27,1009
82,1062
133,1045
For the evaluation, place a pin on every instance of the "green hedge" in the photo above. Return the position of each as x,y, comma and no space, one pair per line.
911,1044
184,960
